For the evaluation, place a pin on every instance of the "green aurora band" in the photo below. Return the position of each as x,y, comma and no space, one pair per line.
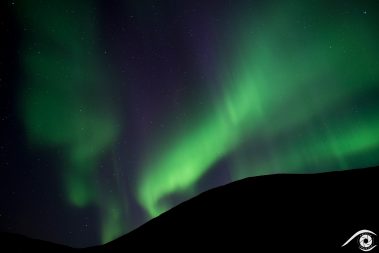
64,100
278,81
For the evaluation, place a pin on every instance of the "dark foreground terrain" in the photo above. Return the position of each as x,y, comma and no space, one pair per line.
276,213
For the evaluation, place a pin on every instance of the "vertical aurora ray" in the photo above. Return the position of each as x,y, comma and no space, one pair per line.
112,221
279,82
65,99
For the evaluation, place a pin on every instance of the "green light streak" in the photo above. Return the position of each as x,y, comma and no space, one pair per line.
65,102
278,80
112,226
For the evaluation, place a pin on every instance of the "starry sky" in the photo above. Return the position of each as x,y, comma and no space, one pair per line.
113,112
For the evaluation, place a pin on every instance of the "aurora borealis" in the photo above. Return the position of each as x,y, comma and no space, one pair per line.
115,111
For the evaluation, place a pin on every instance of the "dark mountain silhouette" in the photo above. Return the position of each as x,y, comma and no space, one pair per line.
19,243
286,212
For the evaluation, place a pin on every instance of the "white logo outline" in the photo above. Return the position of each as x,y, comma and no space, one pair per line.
364,246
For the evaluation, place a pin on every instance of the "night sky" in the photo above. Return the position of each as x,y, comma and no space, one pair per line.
114,111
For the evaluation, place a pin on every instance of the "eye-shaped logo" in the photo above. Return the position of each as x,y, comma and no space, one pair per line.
365,239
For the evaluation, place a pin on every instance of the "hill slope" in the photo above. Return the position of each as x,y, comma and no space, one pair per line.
315,212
